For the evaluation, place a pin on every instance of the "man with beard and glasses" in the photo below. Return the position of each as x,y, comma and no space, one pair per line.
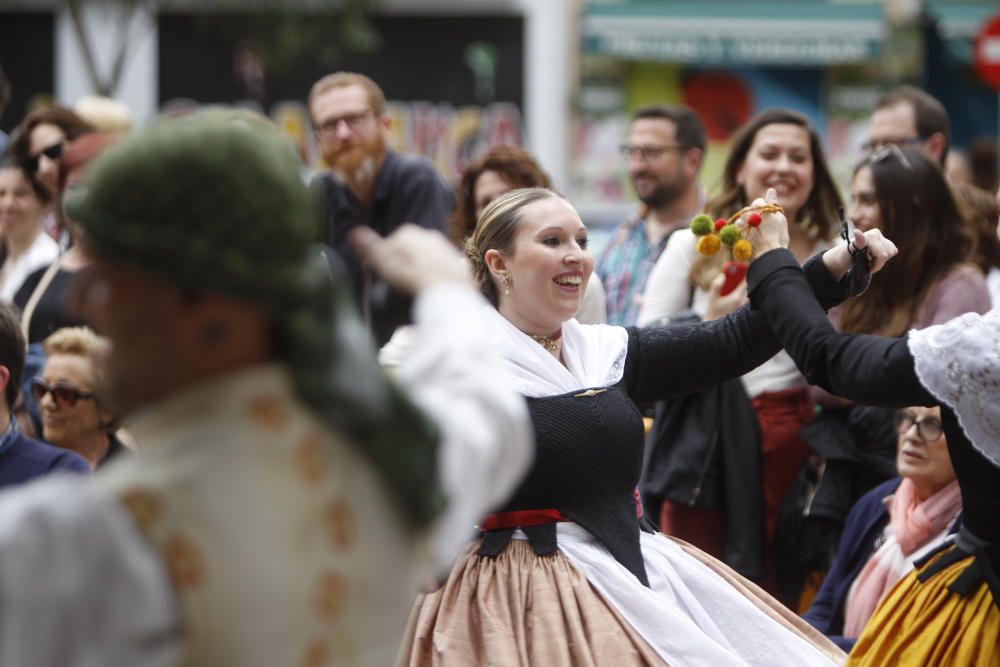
664,152
370,184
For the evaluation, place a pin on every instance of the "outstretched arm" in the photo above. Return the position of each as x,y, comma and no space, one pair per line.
867,369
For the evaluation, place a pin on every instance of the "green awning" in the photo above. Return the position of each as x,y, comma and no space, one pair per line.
716,32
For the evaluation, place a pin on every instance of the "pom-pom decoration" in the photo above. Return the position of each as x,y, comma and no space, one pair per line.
709,244
701,225
729,235
729,232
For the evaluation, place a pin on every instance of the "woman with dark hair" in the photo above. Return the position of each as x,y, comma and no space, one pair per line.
778,148
25,246
565,572
903,192
41,138
982,211
946,612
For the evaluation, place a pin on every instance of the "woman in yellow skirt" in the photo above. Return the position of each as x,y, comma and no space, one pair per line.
947,612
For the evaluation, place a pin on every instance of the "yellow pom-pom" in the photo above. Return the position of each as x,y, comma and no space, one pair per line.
742,250
709,245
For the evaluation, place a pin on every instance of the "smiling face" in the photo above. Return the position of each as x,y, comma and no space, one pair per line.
779,157
549,267
68,426
658,180
927,463
20,208
45,136
864,212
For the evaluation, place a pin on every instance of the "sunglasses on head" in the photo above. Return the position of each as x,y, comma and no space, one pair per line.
53,152
64,394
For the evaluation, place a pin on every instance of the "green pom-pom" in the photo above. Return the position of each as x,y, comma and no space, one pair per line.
729,234
701,224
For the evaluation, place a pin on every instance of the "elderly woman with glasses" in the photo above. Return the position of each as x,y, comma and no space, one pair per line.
892,526
68,397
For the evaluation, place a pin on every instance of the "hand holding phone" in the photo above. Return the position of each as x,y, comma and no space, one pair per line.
734,272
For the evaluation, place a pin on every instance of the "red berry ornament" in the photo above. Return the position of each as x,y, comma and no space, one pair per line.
720,223
753,220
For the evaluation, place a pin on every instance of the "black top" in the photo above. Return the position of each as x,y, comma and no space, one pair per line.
50,313
408,188
589,443
867,369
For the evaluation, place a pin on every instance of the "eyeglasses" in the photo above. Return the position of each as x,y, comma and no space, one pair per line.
353,120
64,394
53,152
928,428
887,151
648,153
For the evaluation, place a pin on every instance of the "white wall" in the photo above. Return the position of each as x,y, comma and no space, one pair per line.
103,24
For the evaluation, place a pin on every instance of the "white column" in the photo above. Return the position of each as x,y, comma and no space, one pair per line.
138,85
549,78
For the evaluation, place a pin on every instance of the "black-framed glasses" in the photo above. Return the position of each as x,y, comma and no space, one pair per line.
353,120
872,146
649,153
53,152
928,429
64,394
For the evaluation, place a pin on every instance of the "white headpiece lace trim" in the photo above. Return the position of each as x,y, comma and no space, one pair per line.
959,363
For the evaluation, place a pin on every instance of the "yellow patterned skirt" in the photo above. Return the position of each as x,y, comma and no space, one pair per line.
923,623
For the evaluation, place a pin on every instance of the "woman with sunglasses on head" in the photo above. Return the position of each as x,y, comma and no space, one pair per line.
947,612
565,572
25,247
890,527
67,395
778,148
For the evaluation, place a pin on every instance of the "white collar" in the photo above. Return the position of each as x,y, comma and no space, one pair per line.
594,356
959,363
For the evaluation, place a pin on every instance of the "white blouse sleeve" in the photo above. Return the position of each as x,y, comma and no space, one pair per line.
668,288
79,587
456,377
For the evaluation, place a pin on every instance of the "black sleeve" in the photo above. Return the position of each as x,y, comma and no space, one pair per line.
867,369
427,200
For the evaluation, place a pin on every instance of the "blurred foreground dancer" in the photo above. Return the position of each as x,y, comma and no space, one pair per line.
286,501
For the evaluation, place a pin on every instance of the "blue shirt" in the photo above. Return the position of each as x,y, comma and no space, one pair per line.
23,459
624,268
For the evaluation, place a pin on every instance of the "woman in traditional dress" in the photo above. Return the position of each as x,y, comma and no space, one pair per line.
947,612
565,573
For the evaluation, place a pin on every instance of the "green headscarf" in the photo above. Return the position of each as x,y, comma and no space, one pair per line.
215,203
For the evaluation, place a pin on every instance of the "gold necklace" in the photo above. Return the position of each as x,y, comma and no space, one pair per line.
550,343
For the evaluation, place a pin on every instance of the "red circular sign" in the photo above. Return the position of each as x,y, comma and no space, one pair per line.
986,53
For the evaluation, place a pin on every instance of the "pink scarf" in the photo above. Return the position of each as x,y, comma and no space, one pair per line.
913,524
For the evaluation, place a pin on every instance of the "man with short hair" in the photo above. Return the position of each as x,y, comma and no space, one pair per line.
370,184
665,150
286,501
21,458
908,115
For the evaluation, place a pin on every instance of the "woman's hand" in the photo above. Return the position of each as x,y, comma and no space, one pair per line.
880,250
720,306
773,230
412,258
